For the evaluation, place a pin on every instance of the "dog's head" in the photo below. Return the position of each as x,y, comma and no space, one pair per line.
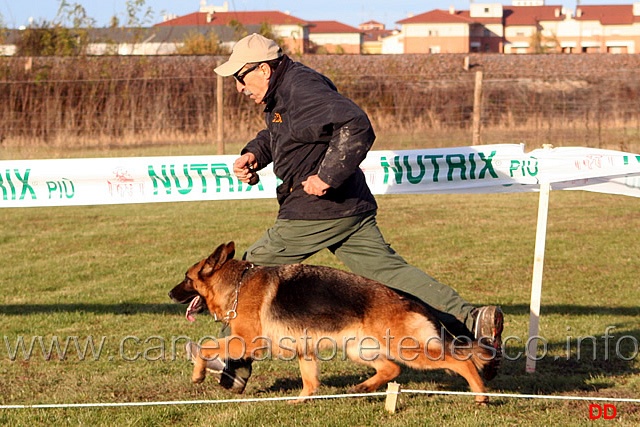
195,289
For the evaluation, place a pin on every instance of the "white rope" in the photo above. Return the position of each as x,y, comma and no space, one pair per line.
332,396
526,396
184,402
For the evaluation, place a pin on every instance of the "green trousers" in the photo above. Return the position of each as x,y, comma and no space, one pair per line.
359,244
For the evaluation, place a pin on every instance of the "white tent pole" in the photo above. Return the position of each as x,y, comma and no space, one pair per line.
536,283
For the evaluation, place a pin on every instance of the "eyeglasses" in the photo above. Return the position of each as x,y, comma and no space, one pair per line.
239,76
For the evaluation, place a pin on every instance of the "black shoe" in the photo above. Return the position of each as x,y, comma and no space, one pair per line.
488,327
231,374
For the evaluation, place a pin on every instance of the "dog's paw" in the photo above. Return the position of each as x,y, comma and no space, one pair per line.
299,401
482,401
360,388
198,377
303,398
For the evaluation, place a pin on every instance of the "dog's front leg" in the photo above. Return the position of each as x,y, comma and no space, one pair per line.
200,355
199,370
309,373
232,347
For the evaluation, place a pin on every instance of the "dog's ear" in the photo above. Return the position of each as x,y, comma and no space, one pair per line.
222,254
231,249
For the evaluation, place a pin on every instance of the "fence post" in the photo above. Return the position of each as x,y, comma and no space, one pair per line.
477,109
219,113
390,404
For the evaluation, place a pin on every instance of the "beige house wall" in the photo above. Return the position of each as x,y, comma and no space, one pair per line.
338,42
436,45
436,38
293,36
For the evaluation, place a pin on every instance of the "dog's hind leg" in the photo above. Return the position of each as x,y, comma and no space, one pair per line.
458,364
309,373
469,372
386,371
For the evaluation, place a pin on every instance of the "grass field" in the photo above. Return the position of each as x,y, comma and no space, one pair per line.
102,273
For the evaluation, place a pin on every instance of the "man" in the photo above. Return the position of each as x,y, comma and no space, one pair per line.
316,140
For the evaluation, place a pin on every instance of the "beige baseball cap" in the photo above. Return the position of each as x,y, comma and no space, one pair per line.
253,48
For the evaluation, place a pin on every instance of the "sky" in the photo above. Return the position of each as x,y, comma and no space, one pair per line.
16,13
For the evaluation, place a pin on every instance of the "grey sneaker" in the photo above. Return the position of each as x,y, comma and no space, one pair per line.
488,326
230,374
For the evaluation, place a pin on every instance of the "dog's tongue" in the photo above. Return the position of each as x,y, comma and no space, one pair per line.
192,307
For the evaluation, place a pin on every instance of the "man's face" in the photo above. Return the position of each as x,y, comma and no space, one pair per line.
253,81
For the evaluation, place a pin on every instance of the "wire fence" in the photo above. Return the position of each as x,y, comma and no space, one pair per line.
587,100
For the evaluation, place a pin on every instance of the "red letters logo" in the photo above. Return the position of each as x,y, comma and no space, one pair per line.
607,411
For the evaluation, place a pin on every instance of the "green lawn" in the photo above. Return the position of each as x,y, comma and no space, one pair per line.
103,272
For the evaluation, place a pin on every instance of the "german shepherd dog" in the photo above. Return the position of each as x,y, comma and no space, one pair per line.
294,311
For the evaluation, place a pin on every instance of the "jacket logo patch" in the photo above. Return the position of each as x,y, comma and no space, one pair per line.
277,118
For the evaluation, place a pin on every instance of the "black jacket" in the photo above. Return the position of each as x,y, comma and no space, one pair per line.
312,129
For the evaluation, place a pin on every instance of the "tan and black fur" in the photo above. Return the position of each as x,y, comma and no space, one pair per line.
286,303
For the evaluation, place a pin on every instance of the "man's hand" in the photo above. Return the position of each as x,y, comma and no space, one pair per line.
315,186
245,169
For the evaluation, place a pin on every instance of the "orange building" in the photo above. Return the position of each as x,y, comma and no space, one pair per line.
527,26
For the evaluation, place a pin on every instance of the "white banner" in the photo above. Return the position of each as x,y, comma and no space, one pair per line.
477,169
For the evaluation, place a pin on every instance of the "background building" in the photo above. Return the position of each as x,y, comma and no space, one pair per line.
525,27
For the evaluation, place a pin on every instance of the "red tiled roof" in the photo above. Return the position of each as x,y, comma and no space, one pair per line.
196,18
531,15
438,16
372,22
482,20
376,35
513,15
331,27
245,18
619,14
